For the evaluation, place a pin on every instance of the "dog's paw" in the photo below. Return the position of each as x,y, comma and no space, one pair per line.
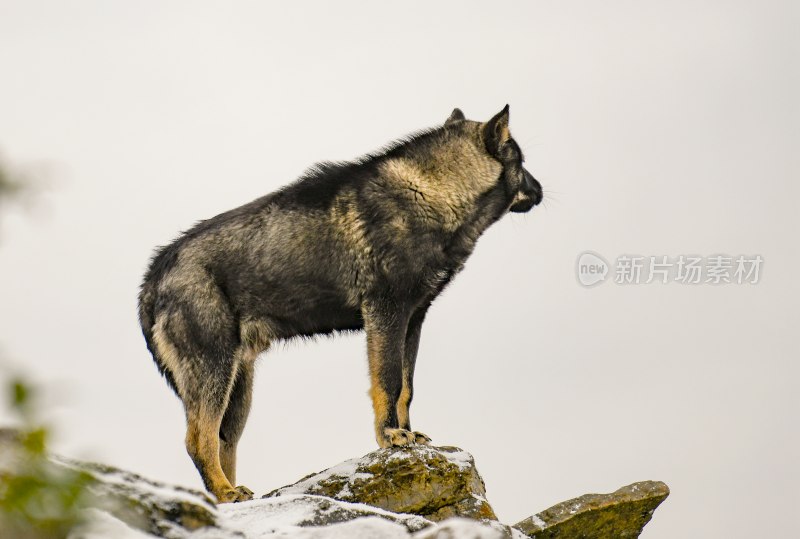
237,494
399,437
402,437
420,438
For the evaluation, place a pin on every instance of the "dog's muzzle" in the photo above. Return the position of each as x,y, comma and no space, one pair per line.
529,194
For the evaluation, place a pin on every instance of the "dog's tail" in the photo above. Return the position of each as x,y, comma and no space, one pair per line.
148,297
147,314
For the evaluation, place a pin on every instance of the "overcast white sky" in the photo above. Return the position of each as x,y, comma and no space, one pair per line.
656,129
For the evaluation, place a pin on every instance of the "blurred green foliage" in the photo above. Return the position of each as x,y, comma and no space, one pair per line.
9,183
38,498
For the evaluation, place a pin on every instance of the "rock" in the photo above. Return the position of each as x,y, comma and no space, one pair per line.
458,528
418,492
300,517
123,502
617,515
154,507
433,482
305,510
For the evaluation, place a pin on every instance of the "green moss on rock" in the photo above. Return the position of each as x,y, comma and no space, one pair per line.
434,482
621,514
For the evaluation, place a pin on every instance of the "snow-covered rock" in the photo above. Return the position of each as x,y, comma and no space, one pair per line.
404,493
156,508
434,482
622,513
294,516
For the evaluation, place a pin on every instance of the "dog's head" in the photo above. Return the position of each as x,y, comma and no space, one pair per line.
522,189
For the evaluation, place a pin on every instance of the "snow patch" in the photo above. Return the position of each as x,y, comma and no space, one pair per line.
101,525
361,528
346,470
462,459
293,510
461,527
538,521
141,488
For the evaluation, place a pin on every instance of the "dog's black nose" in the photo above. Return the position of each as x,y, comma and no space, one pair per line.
532,187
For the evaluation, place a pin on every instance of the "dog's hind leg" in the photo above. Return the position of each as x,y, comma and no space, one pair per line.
206,400
198,344
235,416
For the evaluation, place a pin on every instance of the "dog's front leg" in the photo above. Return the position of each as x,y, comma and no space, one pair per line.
409,361
386,327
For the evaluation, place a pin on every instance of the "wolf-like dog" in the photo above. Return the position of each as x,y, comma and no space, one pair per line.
356,245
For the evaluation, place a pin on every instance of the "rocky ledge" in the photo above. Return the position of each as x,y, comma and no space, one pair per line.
419,492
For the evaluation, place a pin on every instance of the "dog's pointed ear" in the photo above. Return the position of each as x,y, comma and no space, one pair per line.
495,131
455,116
